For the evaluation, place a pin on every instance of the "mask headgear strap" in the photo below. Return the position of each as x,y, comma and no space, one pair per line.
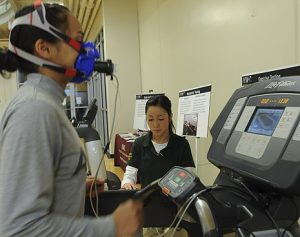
38,19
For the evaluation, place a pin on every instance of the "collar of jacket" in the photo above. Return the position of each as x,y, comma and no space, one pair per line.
148,143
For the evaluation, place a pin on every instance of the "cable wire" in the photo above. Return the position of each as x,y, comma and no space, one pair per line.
94,183
182,210
273,222
265,209
248,231
187,206
268,214
294,221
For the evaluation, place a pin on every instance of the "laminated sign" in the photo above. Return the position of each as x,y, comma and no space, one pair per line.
271,74
193,112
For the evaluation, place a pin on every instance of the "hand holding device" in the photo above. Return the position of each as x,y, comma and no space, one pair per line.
128,218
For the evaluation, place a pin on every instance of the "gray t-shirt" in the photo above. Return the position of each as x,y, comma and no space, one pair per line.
42,168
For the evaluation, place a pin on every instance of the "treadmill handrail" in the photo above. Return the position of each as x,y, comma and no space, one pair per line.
205,215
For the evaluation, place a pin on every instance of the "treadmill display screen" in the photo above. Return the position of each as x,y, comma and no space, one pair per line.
264,121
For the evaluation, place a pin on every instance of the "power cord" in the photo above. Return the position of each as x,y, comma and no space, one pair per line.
249,191
273,222
294,221
189,203
248,231
265,209
268,214
94,183
182,210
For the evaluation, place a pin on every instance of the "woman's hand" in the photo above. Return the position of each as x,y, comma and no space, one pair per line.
129,186
89,182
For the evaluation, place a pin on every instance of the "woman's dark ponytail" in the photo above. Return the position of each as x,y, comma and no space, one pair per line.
8,61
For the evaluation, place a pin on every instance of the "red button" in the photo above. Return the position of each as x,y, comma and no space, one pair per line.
182,174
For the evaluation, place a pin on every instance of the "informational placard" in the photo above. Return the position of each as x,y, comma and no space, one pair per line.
250,78
193,112
140,115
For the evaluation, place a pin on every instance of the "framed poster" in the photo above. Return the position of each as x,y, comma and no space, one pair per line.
193,111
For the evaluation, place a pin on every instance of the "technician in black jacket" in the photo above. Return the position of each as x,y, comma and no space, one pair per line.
154,154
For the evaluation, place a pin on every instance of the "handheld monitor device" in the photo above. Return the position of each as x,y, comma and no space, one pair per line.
179,183
257,135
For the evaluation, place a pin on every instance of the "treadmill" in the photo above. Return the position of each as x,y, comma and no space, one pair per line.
256,146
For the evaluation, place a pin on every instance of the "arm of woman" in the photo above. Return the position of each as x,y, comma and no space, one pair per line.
130,178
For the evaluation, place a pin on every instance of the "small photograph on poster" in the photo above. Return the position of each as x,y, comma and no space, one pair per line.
190,124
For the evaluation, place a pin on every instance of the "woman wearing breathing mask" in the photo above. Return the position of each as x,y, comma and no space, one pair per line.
42,167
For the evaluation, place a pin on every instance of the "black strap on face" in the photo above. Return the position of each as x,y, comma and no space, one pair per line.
72,42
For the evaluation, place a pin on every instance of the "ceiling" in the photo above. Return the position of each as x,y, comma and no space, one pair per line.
85,13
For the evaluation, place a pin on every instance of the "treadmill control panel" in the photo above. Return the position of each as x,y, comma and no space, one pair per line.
263,128
257,135
178,181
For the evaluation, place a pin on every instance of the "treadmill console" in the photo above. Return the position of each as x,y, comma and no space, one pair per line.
179,183
257,135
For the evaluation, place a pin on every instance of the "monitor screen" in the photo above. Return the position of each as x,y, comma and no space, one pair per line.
264,121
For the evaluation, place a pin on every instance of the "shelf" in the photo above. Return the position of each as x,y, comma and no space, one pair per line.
81,107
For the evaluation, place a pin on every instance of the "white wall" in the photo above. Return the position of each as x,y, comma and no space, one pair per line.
185,44
8,87
122,46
